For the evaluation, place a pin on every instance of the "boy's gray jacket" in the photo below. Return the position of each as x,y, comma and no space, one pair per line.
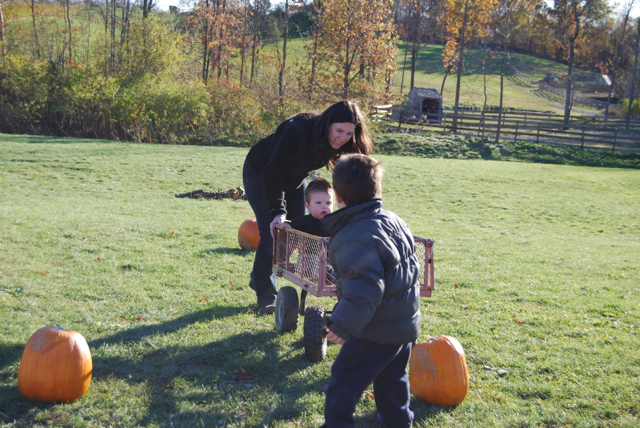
373,254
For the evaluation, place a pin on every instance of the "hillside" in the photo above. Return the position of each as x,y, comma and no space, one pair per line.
518,94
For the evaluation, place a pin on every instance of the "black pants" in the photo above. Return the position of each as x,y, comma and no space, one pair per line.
263,281
359,363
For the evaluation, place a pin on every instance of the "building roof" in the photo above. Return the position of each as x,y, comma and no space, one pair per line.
431,93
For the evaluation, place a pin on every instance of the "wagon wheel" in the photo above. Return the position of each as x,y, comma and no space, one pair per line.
315,342
287,310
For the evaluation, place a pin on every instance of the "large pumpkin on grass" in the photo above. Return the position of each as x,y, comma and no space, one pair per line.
248,235
56,366
438,371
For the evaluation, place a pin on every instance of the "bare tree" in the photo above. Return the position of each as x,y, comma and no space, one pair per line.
2,31
633,80
621,41
570,16
35,27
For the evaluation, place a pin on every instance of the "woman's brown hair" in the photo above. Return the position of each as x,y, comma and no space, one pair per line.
345,111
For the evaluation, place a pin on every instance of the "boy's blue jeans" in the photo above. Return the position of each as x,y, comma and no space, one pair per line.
263,281
359,363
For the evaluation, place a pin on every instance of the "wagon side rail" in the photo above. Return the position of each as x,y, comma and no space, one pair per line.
302,259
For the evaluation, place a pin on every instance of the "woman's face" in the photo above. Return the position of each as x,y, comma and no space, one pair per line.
340,133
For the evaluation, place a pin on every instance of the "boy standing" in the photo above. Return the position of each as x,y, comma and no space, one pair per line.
377,317
319,203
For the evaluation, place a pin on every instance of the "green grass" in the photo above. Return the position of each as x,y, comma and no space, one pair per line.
536,274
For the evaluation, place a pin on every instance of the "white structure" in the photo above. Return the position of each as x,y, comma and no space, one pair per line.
427,101
603,80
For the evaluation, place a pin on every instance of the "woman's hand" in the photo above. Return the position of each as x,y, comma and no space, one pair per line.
277,220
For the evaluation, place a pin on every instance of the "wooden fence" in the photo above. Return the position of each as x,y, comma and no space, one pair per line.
588,132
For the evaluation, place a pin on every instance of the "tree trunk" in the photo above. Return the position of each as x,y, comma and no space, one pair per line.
568,102
504,56
415,51
346,73
617,59
67,6
221,34
633,79
35,28
205,44
454,123
284,52
404,65
2,31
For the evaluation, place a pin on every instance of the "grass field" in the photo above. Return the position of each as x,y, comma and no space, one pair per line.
536,274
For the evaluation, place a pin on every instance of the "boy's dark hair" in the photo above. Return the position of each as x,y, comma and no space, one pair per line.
317,185
357,178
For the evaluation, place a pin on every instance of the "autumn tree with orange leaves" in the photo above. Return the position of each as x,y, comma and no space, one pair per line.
355,53
466,20
221,37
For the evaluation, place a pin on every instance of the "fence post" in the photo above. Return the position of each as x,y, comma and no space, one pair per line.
582,138
538,134
516,136
400,119
615,138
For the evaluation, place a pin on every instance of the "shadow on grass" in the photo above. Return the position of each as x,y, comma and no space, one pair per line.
209,370
226,250
38,139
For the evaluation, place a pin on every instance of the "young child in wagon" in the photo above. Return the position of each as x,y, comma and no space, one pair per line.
319,203
377,317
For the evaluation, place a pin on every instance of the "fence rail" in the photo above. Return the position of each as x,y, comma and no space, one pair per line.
588,132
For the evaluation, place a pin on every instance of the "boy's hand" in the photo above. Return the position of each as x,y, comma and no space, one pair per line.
331,336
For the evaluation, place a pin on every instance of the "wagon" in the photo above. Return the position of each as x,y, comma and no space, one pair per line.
302,259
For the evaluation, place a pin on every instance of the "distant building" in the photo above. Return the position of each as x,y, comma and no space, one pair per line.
174,10
427,101
603,80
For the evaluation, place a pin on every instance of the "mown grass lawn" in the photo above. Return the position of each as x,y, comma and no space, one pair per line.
536,274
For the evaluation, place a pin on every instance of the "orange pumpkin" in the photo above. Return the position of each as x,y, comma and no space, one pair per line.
56,366
438,371
248,235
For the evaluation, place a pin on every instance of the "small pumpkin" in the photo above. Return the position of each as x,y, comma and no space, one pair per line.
438,371
56,366
248,235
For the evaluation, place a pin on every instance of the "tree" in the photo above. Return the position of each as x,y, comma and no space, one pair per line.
221,35
466,20
3,51
570,16
510,18
417,21
355,49
620,44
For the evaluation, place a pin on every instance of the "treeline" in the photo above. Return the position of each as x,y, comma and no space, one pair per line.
223,70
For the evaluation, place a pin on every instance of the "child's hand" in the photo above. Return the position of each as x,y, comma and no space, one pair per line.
334,338
286,225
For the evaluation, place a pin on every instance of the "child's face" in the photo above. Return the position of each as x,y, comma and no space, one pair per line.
320,204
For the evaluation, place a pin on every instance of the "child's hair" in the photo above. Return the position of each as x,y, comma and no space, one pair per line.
357,178
317,185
